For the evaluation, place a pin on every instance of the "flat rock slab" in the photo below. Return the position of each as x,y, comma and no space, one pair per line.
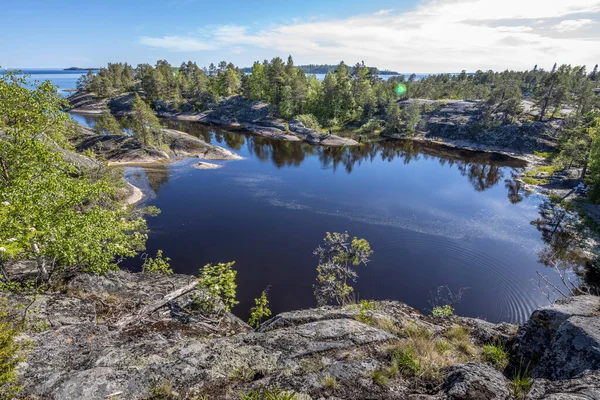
205,165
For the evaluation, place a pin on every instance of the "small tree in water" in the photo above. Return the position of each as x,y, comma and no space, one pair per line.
336,259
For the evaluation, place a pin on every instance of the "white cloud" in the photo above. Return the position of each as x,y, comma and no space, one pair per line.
572,24
176,43
439,35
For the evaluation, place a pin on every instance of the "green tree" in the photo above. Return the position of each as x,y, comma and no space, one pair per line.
144,124
336,259
393,120
107,124
51,211
412,116
592,129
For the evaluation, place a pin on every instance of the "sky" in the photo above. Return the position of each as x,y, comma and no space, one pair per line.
421,36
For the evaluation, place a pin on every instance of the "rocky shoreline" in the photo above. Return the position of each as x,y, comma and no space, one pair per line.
257,117
124,150
81,350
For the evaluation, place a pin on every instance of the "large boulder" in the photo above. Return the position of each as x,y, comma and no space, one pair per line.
586,387
474,381
560,341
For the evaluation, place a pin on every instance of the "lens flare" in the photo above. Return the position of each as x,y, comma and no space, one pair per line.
401,89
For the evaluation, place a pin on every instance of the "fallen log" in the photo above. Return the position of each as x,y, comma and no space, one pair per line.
155,305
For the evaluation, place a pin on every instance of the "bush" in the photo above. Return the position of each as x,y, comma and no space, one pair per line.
260,310
406,361
363,316
443,311
309,121
219,282
11,354
336,260
157,265
495,355
372,125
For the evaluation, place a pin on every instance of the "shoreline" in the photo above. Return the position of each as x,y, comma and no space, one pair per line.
135,194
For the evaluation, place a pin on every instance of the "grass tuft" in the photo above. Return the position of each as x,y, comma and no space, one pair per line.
495,355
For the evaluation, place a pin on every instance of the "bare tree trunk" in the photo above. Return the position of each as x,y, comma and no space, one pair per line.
41,263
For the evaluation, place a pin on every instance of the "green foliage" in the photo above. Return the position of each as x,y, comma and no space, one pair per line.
309,121
260,310
521,383
495,355
406,361
393,117
544,154
157,265
144,124
267,393
11,354
363,315
530,181
107,124
219,283
443,311
162,391
411,116
243,374
373,125
336,259
51,210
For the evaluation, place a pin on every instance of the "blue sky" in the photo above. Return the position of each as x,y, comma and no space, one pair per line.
408,36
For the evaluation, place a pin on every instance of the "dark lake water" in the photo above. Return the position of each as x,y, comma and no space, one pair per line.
434,216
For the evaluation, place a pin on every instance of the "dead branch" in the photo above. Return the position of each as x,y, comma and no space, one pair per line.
155,305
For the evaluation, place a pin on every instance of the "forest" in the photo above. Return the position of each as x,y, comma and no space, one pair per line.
359,97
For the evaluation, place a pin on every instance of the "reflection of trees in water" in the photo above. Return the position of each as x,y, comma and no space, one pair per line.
481,176
157,175
483,170
564,235
515,190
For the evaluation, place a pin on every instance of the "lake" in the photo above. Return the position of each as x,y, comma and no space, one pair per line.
66,81
434,216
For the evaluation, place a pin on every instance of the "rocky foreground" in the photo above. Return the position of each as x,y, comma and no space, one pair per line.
121,337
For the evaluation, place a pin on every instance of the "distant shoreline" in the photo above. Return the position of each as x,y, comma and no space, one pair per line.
80,69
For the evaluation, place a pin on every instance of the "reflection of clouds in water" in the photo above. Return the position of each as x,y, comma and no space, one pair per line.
496,219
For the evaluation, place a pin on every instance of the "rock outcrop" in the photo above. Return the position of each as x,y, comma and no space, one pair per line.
561,341
260,118
127,149
458,123
80,349
476,382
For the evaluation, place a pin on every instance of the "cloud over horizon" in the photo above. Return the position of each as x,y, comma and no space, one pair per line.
439,35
